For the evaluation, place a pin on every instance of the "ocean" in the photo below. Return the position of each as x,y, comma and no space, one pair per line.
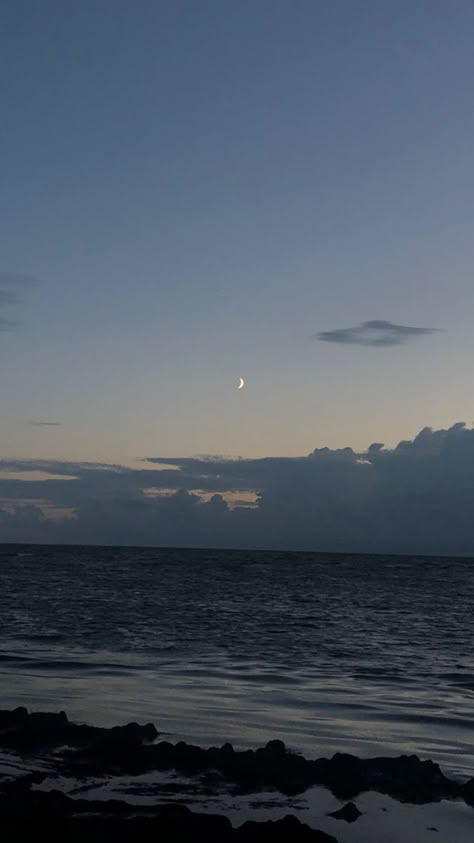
364,654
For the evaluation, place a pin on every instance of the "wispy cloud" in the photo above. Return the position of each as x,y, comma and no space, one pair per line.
16,279
7,324
377,332
7,297
10,284
34,423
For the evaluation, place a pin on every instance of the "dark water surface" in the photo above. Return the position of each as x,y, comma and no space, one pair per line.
331,653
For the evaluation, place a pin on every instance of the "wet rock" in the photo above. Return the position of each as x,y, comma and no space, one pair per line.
405,778
350,813
467,792
91,751
35,731
276,748
26,732
48,721
227,748
16,788
287,829
35,814
14,718
133,733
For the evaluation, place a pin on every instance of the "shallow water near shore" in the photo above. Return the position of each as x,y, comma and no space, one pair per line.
370,655
383,819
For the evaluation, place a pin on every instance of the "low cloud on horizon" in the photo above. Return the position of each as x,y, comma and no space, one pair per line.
376,332
417,498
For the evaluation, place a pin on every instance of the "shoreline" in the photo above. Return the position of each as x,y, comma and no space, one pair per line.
63,773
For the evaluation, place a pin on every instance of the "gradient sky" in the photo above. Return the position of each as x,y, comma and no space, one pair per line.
196,188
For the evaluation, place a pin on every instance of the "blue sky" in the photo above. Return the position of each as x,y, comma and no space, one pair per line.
198,188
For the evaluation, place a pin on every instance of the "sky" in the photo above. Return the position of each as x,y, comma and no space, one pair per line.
198,192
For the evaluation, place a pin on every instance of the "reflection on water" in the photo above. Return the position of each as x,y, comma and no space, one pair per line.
365,654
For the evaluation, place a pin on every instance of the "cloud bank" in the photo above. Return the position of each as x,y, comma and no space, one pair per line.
377,332
417,498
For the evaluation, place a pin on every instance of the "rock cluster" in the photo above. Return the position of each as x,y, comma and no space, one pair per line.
30,815
85,751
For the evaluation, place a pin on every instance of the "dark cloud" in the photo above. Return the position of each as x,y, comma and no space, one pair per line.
375,447
415,498
28,521
377,332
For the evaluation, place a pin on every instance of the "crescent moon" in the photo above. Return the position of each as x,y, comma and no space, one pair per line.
241,383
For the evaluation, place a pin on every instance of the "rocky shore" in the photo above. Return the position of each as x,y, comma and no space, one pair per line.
51,747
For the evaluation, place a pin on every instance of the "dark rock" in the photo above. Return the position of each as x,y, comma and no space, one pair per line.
405,778
9,719
467,791
36,814
48,721
276,747
16,788
131,750
287,829
133,733
35,731
227,749
26,732
350,813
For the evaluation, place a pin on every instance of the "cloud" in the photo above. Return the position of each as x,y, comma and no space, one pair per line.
34,423
59,466
7,297
377,332
7,324
416,498
10,283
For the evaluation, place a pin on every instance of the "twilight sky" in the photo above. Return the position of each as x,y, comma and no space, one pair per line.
193,192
